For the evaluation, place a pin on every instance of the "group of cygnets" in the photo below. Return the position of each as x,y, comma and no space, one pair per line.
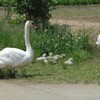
54,58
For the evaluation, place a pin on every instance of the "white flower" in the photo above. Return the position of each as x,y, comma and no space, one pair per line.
63,38
79,37
50,54
61,24
45,30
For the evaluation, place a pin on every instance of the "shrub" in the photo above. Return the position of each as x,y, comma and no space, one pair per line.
34,8
58,40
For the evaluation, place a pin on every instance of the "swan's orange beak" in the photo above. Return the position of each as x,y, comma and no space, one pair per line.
34,26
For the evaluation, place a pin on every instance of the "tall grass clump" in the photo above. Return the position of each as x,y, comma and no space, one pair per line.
54,38
59,40
11,35
81,46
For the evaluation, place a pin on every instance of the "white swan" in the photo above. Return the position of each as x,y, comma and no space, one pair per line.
69,62
13,58
98,40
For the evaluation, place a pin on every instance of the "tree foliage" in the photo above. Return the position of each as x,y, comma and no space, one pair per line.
35,8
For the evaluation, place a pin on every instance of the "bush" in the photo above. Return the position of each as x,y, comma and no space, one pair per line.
35,8
59,40
54,39
7,2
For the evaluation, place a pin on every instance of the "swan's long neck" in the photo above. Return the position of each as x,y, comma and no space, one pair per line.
27,39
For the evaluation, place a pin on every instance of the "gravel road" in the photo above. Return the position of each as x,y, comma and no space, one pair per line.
14,90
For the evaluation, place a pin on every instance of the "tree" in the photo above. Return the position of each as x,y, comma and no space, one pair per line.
8,4
35,9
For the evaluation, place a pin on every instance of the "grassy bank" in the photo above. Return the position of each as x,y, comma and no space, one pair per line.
84,72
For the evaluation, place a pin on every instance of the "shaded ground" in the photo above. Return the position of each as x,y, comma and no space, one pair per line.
27,91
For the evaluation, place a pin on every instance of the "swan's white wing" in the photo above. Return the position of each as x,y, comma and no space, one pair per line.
98,40
12,56
8,52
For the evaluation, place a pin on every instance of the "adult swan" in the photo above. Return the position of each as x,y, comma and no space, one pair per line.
12,58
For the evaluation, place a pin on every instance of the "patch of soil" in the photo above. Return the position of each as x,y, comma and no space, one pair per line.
81,23
84,23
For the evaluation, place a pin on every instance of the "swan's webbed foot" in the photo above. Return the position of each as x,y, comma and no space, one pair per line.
1,74
14,73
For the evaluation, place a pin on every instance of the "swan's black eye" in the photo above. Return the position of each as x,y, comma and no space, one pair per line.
32,23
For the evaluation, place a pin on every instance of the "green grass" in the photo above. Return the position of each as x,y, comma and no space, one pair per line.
12,35
3,2
84,72
76,2
44,41
80,11
59,2
56,39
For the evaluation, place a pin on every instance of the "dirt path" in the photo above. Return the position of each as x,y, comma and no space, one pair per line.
91,24
11,90
76,24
